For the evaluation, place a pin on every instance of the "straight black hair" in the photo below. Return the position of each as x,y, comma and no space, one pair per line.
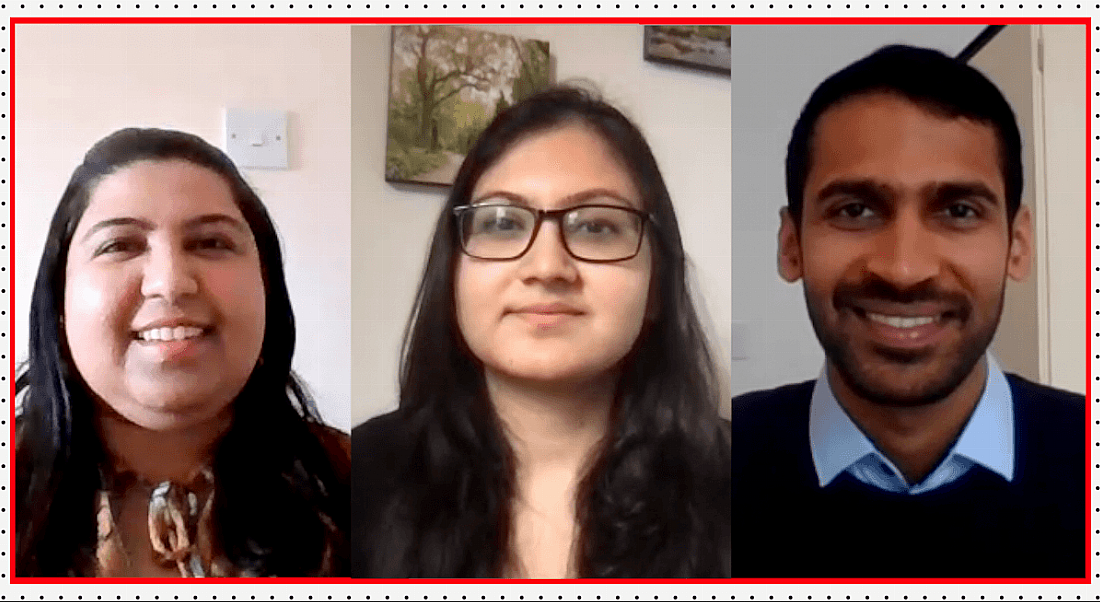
942,85
279,503
655,502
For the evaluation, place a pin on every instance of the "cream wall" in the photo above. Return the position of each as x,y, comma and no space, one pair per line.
77,83
684,114
1041,69
1065,110
1009,61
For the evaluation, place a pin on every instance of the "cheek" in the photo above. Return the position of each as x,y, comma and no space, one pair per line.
622,299
98,308
829,258
984,279
474,298
242,299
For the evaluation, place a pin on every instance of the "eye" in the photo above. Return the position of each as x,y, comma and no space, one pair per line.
120,246
499,221
212,243
854,211
961,211
499,224
595,227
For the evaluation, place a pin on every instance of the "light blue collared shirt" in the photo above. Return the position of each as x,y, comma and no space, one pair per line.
837,445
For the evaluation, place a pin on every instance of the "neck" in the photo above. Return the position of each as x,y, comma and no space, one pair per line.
552,425
914,438
161,455
555,430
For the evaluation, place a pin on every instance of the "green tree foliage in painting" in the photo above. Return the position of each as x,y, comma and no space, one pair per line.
534,68
447,83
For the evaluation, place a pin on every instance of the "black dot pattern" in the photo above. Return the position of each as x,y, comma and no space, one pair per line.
335,14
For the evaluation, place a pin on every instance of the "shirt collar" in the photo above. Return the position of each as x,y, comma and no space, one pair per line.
836,443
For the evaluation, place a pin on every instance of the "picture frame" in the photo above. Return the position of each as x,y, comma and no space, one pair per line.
446,85
703,47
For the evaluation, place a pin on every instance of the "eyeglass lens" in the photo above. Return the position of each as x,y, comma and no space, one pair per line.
594,233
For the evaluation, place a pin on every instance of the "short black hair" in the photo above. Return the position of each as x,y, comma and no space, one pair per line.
942,85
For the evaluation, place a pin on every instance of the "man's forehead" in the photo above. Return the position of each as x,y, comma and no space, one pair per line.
898,144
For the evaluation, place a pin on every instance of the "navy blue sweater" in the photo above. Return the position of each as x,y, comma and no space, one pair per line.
786,525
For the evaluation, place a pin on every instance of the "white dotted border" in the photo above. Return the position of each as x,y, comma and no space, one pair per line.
472,11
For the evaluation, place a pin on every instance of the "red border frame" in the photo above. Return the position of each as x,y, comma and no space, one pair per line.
13,21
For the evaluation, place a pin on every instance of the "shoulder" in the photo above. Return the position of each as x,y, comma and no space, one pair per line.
1051,435
378,445
380,448
1042,409
380,432
381,426
770,432
337,447
1029,393
781,405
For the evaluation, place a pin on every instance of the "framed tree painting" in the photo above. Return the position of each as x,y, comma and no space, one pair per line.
446,85
704,47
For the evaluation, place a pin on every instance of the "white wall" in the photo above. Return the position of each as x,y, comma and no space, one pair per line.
684,114
775,69
77,83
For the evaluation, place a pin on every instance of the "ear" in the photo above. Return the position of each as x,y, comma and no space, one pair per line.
1020,246
789,253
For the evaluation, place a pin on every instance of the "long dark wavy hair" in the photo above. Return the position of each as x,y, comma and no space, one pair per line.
279,501
655,502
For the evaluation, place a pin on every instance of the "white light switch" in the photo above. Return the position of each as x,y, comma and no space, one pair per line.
256,138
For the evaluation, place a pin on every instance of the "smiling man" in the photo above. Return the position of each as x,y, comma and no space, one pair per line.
913,454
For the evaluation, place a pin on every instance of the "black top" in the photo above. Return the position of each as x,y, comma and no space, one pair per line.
385,459
786,525
376,445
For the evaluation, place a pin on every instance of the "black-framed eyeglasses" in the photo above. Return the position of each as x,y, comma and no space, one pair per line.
596,233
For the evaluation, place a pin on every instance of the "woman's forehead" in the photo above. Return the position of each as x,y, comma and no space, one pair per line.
550,166
160,191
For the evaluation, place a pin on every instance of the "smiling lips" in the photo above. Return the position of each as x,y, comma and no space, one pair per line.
906,331
172,341
901,321
166,333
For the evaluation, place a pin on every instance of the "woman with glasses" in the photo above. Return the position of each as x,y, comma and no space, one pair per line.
557,415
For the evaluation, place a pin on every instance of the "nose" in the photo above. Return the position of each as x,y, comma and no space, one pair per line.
168,274
904,253
547,260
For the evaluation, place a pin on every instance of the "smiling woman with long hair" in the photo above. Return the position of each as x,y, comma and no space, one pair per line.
161,431
558,406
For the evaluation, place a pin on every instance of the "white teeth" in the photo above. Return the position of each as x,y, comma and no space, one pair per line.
901,321
170,334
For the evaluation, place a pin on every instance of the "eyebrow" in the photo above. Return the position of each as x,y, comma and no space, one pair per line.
948,192
862,189
939,192
146,225
574,199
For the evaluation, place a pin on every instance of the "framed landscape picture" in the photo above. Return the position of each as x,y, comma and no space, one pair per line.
446,85
704,47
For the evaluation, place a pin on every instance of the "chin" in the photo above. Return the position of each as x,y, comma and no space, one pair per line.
172,411
896,385
551,373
